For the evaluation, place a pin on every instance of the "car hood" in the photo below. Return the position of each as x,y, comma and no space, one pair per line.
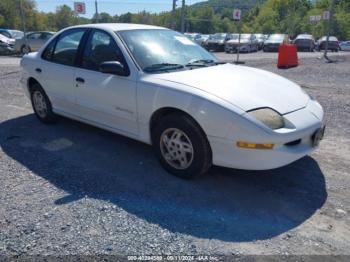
244,87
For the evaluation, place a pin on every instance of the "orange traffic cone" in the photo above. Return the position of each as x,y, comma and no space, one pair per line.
287,56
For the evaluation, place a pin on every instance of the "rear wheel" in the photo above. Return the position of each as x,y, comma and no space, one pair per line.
41,104
181,146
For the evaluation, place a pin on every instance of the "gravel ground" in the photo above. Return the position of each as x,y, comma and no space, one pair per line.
70,188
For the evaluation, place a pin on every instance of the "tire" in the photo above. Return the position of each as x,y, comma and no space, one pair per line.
41,104
25,49
175,132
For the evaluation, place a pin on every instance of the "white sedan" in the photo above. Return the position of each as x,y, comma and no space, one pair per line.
156,86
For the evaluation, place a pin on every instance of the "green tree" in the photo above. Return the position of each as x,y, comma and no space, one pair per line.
105,18
65,17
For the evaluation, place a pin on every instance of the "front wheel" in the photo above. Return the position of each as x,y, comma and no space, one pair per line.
41,104
181,146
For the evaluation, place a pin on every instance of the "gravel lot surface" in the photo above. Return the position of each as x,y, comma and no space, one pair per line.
70,188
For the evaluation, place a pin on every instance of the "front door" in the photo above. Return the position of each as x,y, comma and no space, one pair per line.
106,99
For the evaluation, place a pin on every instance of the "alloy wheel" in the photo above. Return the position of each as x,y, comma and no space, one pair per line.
176,148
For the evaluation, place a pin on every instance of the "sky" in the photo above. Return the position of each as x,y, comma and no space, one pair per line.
113,7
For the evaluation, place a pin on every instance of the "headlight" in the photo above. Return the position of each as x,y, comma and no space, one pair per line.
268,117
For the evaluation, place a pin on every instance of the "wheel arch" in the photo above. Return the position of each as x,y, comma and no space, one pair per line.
31,82
165,111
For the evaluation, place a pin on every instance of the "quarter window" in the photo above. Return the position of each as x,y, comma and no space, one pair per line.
100,48
48,52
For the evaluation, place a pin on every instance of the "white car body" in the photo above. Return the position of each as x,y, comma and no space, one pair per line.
7,40
216,97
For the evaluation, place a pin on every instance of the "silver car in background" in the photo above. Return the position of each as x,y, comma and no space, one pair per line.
245,43
345,46
33,41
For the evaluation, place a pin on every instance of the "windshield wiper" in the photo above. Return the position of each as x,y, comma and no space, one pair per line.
203,63
162,66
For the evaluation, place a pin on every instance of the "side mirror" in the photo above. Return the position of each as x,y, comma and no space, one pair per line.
114,68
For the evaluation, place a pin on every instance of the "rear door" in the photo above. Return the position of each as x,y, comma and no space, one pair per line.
56,71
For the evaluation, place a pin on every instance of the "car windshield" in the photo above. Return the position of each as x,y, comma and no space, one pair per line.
5,33
17,34
276,37
161,49
245,36
218,37
234,36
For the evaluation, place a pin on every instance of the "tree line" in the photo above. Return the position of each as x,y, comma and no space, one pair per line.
269,16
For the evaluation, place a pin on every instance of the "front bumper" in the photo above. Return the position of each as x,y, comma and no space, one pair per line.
235,47
6,49
271,47
215,46
291,144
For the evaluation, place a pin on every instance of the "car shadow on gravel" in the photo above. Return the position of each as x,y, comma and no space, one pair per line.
229,205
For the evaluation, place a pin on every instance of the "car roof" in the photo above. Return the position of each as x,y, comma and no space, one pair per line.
305,36
331,38
118,26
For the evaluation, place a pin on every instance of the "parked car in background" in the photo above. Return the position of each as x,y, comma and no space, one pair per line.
244,43
261,39
6,45
216,42
193,110
305,42
204,39
333,44
13,34
273,42
194,37
33,41
345,46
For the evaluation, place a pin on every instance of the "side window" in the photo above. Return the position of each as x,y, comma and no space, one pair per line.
100,48
45,36
67,46
34,36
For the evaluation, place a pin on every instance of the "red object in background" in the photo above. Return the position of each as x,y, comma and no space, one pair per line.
287,56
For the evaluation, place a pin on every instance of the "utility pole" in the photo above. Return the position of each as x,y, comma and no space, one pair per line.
183,17
329,24
23,25
173,25
96,13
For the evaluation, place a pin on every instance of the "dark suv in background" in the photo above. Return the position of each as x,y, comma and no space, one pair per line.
273,42
305,42
333,44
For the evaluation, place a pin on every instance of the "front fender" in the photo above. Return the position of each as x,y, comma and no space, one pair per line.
216,117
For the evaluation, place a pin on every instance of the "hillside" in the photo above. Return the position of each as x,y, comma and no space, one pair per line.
220,5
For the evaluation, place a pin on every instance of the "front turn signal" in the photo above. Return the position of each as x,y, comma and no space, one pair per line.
254,146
